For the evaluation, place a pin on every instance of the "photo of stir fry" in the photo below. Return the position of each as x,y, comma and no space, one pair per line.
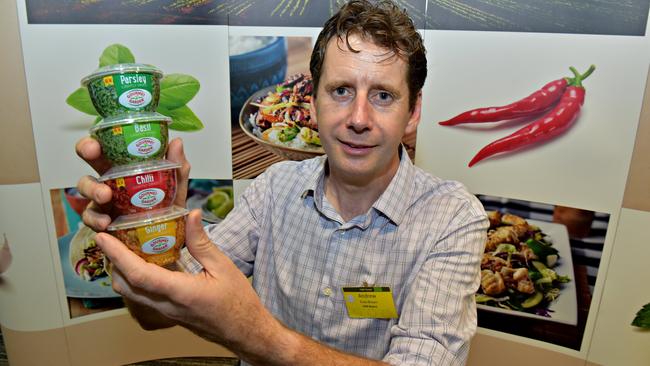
517,267
283,115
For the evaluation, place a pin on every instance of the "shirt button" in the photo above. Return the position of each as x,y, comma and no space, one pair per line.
327,291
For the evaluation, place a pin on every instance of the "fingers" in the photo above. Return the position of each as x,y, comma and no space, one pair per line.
176,153
89,150
201,247
95,216
90,188
129,270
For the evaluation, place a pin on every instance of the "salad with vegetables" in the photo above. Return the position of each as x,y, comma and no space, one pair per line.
517,267
283,116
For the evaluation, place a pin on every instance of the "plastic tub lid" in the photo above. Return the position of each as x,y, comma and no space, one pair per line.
147,218
128,118
121,69
138,168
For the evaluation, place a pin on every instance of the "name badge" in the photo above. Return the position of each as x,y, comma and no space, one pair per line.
369,302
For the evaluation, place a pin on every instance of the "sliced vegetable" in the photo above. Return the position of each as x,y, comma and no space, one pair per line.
288,133
533,300
543,251
507,248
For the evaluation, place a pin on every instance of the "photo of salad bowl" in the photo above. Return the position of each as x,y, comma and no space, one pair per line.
278,119
256,62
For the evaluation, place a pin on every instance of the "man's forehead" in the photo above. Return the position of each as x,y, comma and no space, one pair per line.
367,49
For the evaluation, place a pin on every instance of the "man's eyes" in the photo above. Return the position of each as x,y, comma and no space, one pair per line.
341,91
378,97
381,97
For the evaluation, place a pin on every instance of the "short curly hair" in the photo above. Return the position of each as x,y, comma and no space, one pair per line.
387,26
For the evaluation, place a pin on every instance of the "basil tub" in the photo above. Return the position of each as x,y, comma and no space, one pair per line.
120,88
133,137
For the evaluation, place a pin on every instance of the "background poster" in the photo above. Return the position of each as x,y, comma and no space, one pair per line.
567,170
274,13
88,291
481,53
257,65
578,236
577,16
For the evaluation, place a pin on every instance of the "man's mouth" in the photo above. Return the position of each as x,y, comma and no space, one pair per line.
355,146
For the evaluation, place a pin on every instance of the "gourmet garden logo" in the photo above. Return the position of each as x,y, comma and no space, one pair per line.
148,197
160,245
145,145
135,98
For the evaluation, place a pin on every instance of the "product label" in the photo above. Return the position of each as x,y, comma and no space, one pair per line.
157,238
143,139
134,90
145,190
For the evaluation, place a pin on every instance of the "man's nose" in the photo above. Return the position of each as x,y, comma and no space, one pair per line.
360,114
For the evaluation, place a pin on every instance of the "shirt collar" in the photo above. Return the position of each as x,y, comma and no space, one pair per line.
314,182
397,196
392,203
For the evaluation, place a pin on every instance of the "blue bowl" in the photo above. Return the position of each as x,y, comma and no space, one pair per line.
255,70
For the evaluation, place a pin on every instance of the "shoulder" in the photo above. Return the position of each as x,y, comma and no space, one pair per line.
295,167
288,177
454,195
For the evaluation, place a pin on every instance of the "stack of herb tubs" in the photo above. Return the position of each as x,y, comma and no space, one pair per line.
133,137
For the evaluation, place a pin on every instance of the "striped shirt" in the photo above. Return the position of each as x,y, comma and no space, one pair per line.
423,238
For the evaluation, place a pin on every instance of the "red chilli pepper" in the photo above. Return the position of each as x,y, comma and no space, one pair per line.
552,124
535,103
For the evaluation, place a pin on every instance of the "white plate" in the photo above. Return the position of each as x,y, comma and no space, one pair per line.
565,307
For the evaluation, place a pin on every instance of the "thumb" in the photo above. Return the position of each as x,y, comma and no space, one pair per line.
199,244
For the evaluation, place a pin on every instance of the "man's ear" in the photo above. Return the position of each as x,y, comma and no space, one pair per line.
416,113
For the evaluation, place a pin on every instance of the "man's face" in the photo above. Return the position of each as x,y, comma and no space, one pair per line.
362,110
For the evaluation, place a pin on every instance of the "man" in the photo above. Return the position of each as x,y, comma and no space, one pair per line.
362,216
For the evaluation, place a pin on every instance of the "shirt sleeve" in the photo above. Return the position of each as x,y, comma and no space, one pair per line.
238,234
438,317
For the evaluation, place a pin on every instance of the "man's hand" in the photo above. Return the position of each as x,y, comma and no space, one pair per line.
218,304
97,214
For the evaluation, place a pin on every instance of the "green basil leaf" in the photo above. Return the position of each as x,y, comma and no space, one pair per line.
116,54
183,119
80,100
642,318
176,90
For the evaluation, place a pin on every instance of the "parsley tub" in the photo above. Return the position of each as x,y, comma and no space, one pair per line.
120,88
133,137
142,186
156,236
